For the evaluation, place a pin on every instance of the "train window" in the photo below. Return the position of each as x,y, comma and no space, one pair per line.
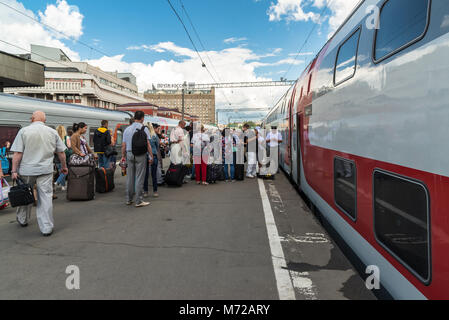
119,140
302,92
401,221
346,61
403,23
345,186
91,136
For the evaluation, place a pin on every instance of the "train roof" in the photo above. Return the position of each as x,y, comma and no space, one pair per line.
29,105
162,121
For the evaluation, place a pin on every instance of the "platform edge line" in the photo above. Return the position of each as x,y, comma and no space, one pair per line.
282,275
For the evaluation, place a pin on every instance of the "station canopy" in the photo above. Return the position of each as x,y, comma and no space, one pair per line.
16,71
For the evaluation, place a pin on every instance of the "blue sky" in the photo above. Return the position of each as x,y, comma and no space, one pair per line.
122,24
247,40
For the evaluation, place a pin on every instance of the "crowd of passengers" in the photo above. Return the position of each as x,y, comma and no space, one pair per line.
42,155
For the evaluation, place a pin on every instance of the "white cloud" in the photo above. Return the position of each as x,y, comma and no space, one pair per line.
64,18
277,63
234,40
22,31
291,10
166,47
445,22
301,10
301,54
232,64
340,11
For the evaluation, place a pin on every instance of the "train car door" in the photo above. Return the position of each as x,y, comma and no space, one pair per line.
120,129
298,150
294,148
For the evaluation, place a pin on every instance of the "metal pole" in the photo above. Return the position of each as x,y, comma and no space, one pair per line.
183,92
183,99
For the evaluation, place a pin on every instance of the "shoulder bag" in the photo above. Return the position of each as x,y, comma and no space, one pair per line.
21,195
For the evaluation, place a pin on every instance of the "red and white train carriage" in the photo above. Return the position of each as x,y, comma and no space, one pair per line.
366,130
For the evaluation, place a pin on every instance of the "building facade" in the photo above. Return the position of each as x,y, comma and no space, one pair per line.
156,111
200,103
79,82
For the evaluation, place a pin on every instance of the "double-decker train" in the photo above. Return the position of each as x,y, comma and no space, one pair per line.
365,131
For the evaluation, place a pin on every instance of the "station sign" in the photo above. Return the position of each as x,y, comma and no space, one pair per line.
174,86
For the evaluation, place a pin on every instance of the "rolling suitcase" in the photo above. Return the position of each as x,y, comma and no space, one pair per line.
239,172
217,168
175,175
160,176
211,174
81,184
221,173
104,180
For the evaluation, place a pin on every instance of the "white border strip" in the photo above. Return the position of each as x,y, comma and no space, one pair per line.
283,280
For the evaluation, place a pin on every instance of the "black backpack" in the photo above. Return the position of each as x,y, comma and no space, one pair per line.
140,142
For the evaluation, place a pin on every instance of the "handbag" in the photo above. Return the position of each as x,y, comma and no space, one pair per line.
21,195
86,161
4,191
4,161
110,151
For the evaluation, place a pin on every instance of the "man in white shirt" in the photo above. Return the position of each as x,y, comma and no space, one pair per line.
250,141
34,149
274,138
177,135
177,148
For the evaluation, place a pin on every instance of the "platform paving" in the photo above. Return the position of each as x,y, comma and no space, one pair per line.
195,242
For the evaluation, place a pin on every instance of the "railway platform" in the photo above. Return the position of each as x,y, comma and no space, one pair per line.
251,240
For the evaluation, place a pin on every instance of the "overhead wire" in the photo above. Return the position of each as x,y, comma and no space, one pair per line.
193,43
190,37
40,55
204,48
199,38
54,29
326,6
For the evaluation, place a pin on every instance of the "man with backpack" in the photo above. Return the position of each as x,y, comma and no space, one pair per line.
102,140
135,148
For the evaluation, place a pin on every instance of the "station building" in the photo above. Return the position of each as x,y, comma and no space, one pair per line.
78,82
200,103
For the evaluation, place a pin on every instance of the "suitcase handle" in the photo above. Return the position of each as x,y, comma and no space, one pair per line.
19,181
79,176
